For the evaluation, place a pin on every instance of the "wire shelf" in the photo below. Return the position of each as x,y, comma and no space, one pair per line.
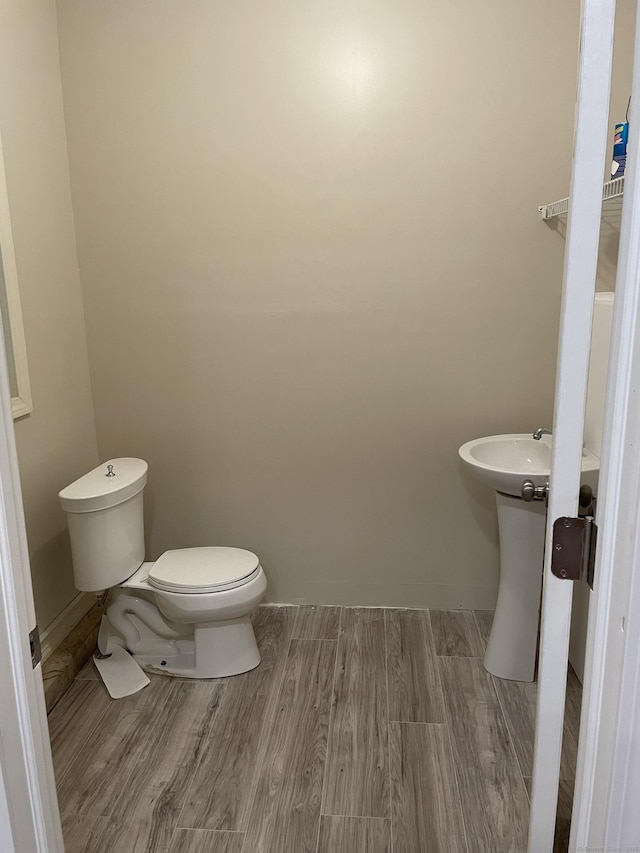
612,189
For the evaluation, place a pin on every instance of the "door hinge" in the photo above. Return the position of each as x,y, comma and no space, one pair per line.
36,648
574,548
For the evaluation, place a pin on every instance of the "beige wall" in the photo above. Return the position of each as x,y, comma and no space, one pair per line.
58,441
313,266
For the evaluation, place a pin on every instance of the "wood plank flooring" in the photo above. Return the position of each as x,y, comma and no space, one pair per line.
350,834
221,789
357,782
362,731
285,812
426,806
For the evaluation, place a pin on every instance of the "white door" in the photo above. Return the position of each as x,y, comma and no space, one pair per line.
29,819
606,814
592,804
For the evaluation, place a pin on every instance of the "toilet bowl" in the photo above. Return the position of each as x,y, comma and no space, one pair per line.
188,613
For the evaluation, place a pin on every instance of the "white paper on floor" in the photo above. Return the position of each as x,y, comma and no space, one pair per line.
121,674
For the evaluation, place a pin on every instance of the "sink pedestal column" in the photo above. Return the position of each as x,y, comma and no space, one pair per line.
511,650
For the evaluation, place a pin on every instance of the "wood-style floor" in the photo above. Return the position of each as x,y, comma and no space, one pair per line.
362,731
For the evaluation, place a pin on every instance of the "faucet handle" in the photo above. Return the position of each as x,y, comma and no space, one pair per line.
531,492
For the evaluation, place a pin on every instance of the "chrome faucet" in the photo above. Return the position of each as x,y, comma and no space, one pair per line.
540,432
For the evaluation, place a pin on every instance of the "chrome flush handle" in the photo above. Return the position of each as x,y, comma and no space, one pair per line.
110,471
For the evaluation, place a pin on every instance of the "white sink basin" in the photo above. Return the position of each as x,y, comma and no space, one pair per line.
504,461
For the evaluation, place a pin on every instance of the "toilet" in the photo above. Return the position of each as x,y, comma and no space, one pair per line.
188,613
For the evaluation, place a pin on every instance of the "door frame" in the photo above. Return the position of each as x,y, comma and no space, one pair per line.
608,773
576,316
27,784
29,815
28,792
607,788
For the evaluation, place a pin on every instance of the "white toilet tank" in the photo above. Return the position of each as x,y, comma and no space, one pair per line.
106,525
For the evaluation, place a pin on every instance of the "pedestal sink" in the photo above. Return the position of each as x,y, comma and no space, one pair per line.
503,462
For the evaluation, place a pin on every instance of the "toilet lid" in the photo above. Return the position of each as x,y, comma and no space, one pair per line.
203,569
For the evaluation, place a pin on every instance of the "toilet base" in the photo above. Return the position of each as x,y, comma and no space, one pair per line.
204,650
219,649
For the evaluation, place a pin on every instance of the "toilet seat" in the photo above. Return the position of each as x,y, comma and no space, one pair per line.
203,570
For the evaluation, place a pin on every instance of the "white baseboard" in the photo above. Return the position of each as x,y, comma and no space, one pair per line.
65,622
